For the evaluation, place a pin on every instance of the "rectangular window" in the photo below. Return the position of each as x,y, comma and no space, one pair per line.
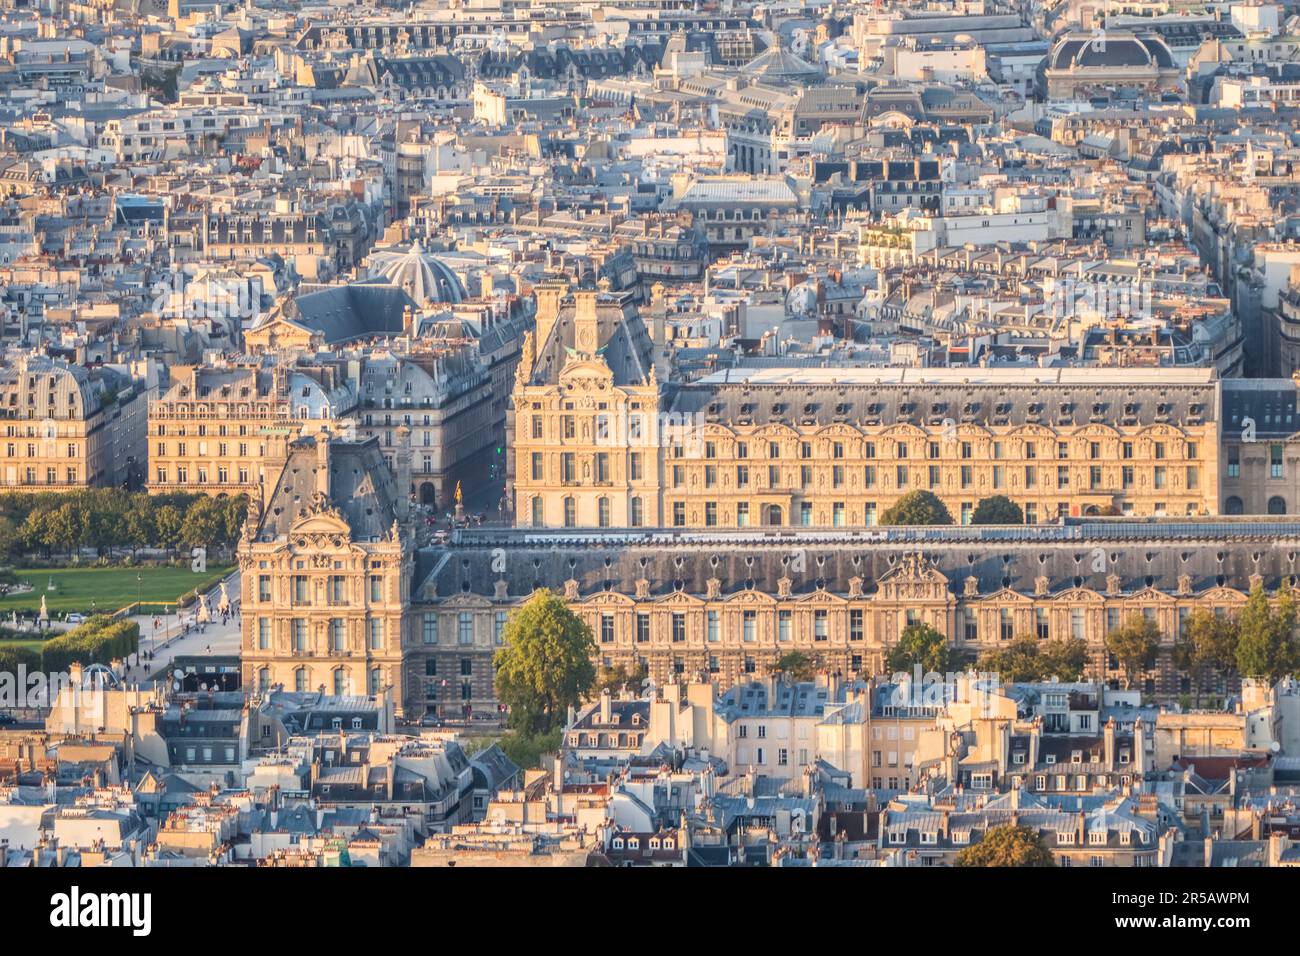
430,628
783,619
642,628
607,629
465,628
749,626
679,628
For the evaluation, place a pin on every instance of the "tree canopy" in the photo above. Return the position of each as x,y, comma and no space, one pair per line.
545,665
110,518
921,644
1266,645
1007,846
1028,659
797,666
917,508
998,509
1134,644
1206,648
614,679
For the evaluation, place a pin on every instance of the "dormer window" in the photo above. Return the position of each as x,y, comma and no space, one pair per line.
1050,758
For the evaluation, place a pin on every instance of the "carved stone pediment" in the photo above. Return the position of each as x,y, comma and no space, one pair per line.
914,577
464,601
783,587
1113,584
608,598
327,522
855,587
1219,594
680,598
714,588
1077,595
750,596
642,589
1153,594
822,596
571,590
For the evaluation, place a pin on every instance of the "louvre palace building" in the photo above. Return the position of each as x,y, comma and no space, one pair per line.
708,526
605,433
336,595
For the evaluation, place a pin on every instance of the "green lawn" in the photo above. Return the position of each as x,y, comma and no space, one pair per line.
109,588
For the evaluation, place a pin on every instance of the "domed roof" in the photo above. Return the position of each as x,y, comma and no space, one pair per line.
782,65
1109,50
425,278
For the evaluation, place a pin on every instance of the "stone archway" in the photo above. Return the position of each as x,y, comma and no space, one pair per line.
428,494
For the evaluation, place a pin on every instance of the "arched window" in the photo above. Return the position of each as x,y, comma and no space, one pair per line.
300,677
1277,505
1233,506
570,513
775,515
340,682
538,516
603,512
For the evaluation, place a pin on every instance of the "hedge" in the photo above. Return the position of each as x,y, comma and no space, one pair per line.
11,658
99,641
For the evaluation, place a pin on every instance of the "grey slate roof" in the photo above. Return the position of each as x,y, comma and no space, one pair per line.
361,488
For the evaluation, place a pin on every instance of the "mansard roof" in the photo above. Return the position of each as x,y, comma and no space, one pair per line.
1078,560
986,397
362,491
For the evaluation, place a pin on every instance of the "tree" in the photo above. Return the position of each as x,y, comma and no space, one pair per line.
1266,645
1028,659
921,644
614,679
917,508
1207,645
1007,845
167,527
525,750
545,666
1134,644
999,509
1017,662
204,525
796,666
1064,658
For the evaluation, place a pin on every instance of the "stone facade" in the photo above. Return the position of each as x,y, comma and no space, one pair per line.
834,447
725,606
325,574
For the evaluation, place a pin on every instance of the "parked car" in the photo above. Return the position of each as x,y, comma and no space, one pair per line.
430,720
76,618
